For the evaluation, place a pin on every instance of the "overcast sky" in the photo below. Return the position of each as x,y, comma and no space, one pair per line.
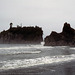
48,14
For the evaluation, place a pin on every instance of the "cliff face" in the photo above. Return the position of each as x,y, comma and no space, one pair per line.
65,38
27,35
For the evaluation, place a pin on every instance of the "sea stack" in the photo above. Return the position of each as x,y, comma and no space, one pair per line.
65,38
21,35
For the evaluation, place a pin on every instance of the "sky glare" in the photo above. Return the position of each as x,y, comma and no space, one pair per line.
48,14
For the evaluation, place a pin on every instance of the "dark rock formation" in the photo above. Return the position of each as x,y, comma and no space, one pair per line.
65,38
27,35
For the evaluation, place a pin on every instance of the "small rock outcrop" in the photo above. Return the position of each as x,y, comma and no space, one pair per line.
65,38
21,35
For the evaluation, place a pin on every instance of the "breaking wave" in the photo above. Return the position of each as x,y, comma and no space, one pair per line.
73,48
13,64
30,49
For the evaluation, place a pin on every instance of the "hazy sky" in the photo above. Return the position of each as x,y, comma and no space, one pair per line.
48,14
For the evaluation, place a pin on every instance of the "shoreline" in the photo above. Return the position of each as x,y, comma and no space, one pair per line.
67,68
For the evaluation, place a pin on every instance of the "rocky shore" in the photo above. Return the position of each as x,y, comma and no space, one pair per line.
65,38
34,35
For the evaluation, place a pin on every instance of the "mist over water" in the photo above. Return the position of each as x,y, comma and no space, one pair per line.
22,56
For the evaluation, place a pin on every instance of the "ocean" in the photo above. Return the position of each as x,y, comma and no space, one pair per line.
18,56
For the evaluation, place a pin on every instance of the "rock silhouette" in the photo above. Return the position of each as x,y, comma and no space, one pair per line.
65,38
27,35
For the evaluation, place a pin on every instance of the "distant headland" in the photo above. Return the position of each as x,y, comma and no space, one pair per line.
21,35
65,38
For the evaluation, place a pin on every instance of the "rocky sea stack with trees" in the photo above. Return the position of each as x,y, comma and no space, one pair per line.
65,38
21,35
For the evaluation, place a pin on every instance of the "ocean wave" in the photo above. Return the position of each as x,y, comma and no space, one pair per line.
26,47
73,48
20,52
13,64
11,48
23,49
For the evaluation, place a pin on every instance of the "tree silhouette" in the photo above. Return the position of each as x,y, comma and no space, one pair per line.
11,25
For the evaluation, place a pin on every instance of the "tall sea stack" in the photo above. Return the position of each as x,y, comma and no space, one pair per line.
65,38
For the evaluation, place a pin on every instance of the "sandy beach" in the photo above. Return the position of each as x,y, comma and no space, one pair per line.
57,69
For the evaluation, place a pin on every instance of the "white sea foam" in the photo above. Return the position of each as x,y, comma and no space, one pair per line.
73,48
8,48
10,52
26,47
12,64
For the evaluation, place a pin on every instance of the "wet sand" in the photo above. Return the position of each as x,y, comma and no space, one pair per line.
61,69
